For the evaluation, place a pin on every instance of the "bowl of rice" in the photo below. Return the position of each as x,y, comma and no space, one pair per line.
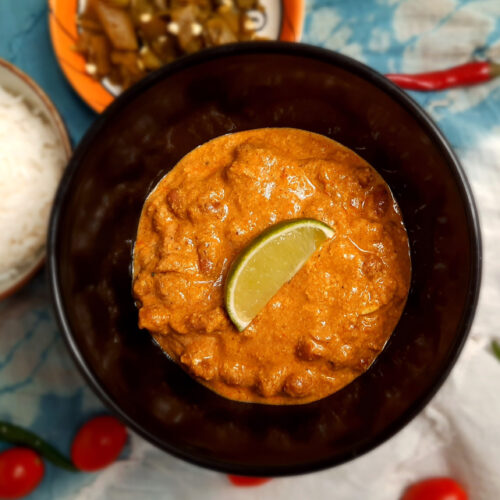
34,149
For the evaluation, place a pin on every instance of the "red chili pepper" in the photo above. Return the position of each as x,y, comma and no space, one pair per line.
463,75
247,481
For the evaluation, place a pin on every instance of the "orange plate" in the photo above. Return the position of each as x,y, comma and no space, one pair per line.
63,31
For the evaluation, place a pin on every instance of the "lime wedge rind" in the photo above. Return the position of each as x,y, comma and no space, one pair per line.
254,290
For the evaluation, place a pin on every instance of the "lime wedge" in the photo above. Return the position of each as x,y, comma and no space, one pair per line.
271,260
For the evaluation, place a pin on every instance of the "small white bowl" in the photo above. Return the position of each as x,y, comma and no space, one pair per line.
17,82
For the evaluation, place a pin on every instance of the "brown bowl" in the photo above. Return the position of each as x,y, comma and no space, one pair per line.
17,82
142,136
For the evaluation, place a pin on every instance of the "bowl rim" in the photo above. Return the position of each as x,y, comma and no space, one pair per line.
96,94
392,90
61,130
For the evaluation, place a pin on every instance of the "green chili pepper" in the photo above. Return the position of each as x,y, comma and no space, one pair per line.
19,436
496,349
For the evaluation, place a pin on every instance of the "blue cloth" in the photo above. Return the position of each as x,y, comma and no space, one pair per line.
39,386
25,41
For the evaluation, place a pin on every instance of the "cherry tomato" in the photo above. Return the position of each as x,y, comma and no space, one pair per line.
21,470
98,443
247,481
438,488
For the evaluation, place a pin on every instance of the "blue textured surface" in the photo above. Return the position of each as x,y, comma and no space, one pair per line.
39,386
25,41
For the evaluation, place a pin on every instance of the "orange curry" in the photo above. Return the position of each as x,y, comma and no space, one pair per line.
326,325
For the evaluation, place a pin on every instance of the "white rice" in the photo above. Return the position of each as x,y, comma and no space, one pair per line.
32,159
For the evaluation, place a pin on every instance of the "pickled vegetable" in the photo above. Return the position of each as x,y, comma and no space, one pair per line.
118,26
123,40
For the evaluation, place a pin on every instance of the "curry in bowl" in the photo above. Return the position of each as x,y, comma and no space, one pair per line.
324,327
139,139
